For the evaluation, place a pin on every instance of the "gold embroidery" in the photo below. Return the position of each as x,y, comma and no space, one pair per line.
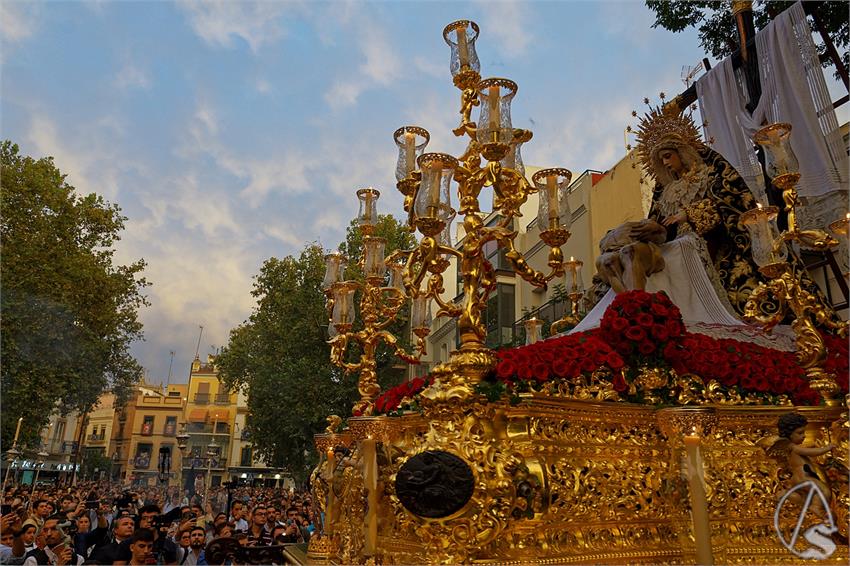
702,216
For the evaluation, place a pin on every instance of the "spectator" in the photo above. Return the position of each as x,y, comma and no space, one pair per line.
108,553
41,510
86,537
141,547
52,547
257,533
197,542
237,517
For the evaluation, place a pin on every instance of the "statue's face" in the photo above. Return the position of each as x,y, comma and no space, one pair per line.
798,435
671,159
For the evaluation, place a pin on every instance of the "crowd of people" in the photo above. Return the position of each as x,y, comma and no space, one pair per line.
103,523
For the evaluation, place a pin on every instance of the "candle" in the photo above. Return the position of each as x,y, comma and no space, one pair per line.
758,205
367,211
409,152
370,480
435,176
495,119
699,503
331,503
554,205
17,431
462,47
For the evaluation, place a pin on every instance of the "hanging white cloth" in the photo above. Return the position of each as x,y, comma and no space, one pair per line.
793,90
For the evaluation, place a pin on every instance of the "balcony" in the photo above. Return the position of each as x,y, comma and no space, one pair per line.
202,398
96,438
198,463
222,399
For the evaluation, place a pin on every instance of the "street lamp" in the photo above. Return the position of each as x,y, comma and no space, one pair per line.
212,451
183,446
11,455
42,456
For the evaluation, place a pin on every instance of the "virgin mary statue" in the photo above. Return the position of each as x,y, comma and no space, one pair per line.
692,246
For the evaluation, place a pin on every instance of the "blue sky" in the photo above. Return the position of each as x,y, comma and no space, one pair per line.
233,132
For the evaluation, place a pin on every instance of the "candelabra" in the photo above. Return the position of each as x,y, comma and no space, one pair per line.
380,302
427,191
770,253
576,292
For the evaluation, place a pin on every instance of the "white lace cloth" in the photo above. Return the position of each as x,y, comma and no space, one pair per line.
689,286
793,90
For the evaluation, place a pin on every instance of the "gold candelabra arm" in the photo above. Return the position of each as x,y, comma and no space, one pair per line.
435,289
570,319
520,265
752,312
339,345
413,358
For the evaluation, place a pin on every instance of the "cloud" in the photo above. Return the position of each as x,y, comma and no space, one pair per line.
84,162
508,22
262,86
18,20
219,22
131,76
381,66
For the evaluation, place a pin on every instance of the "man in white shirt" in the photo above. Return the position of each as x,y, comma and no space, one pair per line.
52,547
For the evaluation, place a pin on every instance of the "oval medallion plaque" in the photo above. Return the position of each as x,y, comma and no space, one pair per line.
434,484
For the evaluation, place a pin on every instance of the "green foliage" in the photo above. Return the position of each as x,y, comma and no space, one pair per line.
280,356
69,314
718,31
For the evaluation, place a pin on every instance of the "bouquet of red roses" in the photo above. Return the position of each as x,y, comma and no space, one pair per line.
640,325
401,396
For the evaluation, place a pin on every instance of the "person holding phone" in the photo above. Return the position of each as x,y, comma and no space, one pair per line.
52,546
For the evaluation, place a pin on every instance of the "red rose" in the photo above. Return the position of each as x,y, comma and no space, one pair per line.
505,369
619,324
525,372
645,320
614,361
619,383
635,333
569,353
588,365
561,367
646,348
541,372
658,309
631,310
659,332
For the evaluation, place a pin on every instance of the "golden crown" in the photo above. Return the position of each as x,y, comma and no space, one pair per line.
661,125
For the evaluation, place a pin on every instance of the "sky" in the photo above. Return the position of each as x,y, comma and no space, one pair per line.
232,132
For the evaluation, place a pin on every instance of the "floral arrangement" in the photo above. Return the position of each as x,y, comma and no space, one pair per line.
402,397
639,330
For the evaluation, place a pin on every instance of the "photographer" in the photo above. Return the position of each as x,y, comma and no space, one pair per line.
52,546
85,538
164,549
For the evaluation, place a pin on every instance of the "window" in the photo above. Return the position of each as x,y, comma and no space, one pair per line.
245,457
500,316
202,397
142,460
147,426
170,426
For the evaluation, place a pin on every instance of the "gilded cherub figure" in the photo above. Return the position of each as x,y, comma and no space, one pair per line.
788,450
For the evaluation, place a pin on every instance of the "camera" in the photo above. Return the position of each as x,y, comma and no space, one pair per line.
160,522
92,503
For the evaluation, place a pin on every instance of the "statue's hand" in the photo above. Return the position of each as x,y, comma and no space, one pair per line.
648,231
675,219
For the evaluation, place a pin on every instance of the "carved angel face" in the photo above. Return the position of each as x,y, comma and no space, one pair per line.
798,435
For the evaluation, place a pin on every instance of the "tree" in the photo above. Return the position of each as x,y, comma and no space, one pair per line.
69,313
718,30
280,355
